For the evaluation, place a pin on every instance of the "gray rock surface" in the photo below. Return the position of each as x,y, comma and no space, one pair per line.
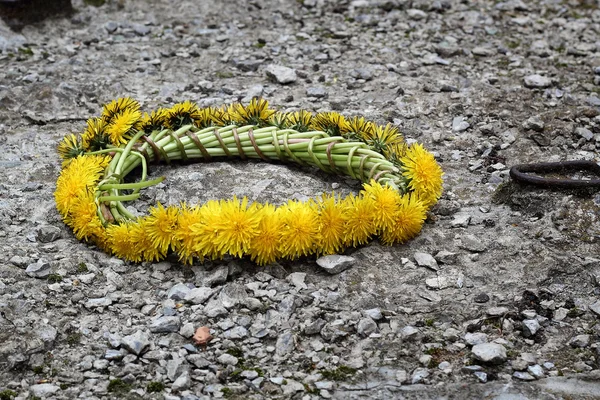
492,353
334,264
483,85
281,74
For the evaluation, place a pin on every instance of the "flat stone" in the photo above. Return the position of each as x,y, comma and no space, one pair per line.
419,375
198,360
584,133
536,370
141,30
48,233
366,326
410,333
362,73
374,313
426,260
297,279
182,382
216,277
476,338
537,81
178,291
232,294
439,282
481,298
111,354
459,124
43,389
236,333
460,221
530,327
416,14
334,264
595,307
446,257
497,311
524,376
290,387
473,244
136,343
111,26
580,341
481,376
491,353
281,74
451,334
227,359
98,302
534,123
40,269
483,51
199,295
215,308
285,344
318,92
165,324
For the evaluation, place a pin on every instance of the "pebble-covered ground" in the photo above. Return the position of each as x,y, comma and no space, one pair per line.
498,298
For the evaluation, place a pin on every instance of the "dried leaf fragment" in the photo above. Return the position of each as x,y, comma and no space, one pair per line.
202,336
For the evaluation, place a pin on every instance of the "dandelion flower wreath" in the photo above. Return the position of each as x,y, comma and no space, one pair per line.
400,182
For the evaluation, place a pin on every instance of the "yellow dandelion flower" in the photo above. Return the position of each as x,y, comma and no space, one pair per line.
407,221
279,119
331,123
300,229
300,120
224,117
264,247
255,113
385,202
384,137
395,151
121,242
117,106
122,125
209,116
205,233
359,128
185,237
82,174
182,114
95,137
155,121
162,224
237,227
360,219
331,224
70,147
145,250
83,218
423,173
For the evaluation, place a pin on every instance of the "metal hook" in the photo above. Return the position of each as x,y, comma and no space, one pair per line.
520,173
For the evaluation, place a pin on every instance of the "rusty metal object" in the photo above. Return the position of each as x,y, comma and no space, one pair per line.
521,173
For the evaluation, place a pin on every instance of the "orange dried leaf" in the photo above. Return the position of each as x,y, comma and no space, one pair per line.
202,336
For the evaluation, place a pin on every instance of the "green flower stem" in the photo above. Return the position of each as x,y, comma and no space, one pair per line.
124,211
123,197
308,147
136,185
126,151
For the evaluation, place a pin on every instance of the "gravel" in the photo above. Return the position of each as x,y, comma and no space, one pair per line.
506,289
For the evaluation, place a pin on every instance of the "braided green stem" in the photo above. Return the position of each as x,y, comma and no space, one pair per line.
315,148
